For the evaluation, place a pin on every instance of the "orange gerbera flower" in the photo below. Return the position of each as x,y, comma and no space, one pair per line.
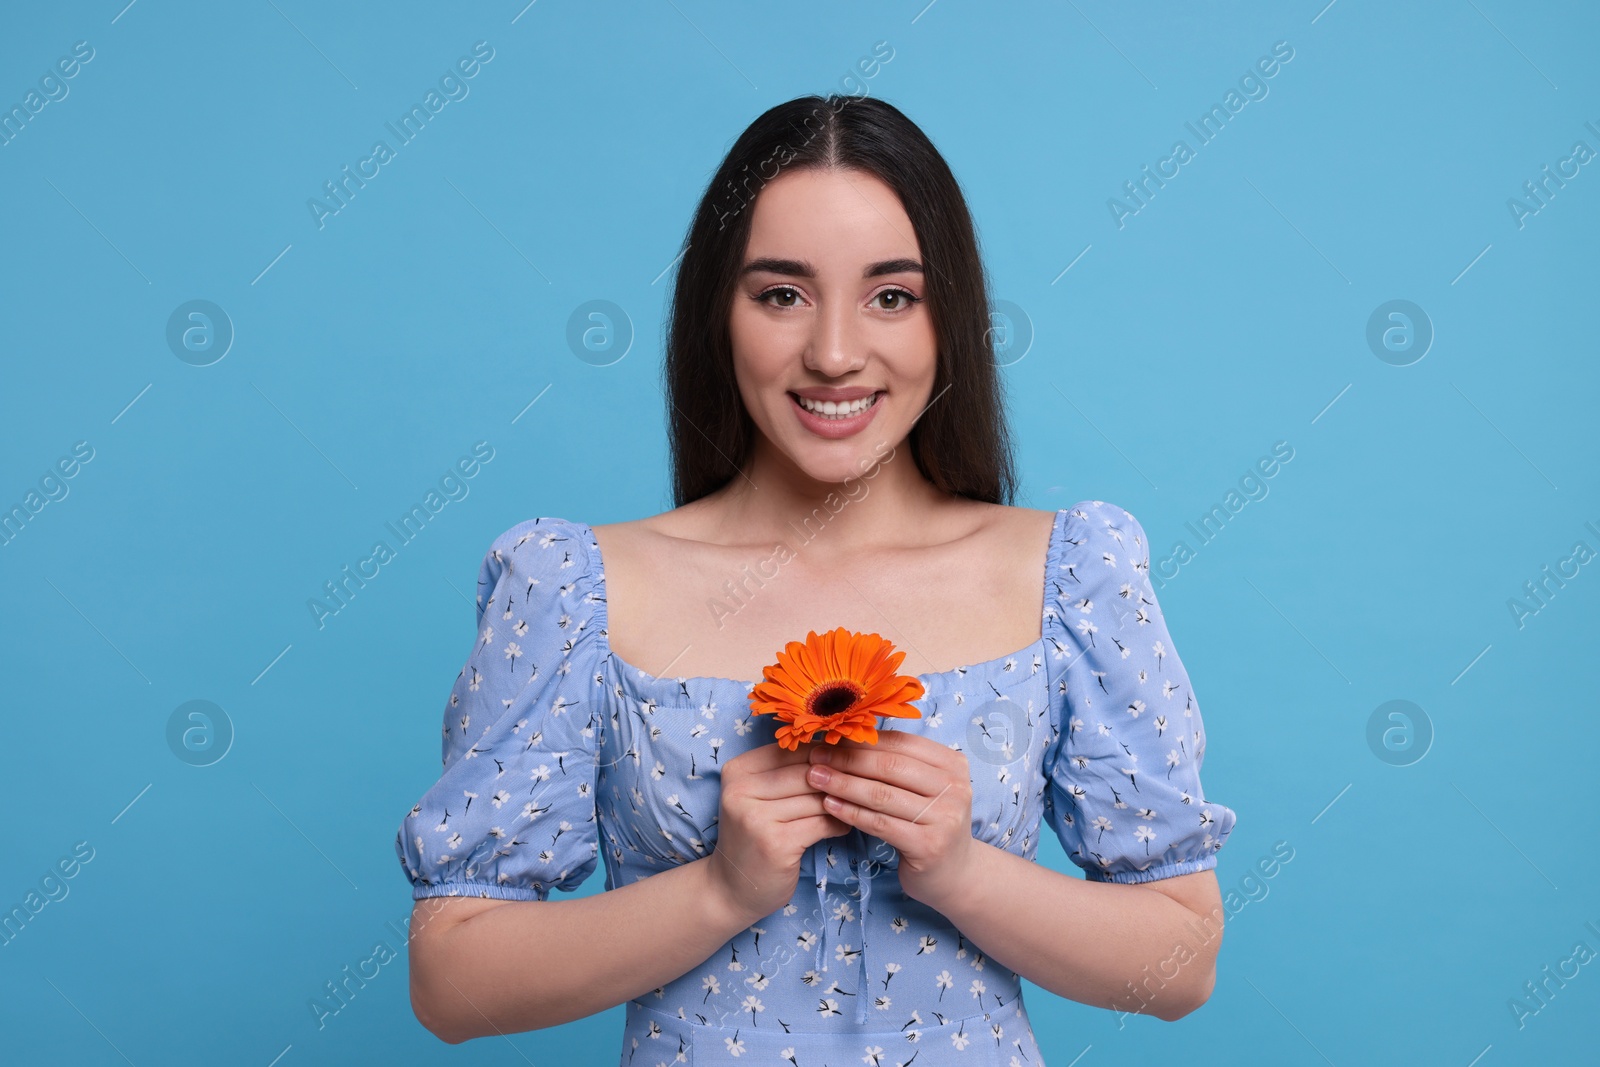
839,682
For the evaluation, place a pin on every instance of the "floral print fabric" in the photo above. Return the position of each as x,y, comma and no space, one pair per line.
557,753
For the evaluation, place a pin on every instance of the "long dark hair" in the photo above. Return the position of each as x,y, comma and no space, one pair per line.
960,443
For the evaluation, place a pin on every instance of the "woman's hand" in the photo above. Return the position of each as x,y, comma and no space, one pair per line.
768,816
911,791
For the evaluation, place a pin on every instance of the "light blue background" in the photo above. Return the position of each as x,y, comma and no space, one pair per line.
1227,315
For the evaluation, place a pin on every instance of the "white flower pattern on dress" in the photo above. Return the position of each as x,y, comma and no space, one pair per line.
556,754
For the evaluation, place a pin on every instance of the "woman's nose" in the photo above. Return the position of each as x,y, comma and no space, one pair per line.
836,344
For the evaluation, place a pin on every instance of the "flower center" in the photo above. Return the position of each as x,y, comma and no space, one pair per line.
831,698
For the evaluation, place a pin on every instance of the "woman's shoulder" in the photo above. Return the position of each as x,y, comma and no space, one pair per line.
1013,513
645,539
1101,518
1070,530
541,578
547,548
689,521
636,548
543,532
1012,531
1105,536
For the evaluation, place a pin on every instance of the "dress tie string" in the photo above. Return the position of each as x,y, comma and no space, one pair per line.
865,881
819,864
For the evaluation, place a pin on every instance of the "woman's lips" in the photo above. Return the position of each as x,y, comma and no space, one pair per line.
835,428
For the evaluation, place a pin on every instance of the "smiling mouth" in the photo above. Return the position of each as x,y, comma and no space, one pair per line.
835,411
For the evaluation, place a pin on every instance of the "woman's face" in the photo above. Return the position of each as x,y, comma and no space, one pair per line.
830,305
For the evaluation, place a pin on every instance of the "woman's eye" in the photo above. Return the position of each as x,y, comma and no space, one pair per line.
782,290
900,299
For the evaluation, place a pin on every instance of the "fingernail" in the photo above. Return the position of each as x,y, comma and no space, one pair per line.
818,775
821,755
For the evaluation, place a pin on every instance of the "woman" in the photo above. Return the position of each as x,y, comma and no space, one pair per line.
840,460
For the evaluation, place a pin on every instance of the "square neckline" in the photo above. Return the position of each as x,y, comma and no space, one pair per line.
595,559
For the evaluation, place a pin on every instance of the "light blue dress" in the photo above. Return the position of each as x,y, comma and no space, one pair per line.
556,752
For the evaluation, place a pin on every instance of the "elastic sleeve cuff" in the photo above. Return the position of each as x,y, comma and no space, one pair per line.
1154,874
479,889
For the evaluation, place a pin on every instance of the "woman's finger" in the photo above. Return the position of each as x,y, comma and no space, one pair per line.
876,794
895,764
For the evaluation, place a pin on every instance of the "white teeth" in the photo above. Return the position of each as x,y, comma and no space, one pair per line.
827,408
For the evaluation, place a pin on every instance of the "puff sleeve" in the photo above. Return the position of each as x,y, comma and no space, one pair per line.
513,813
1123,787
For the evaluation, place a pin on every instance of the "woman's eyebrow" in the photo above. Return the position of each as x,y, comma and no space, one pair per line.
801,268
